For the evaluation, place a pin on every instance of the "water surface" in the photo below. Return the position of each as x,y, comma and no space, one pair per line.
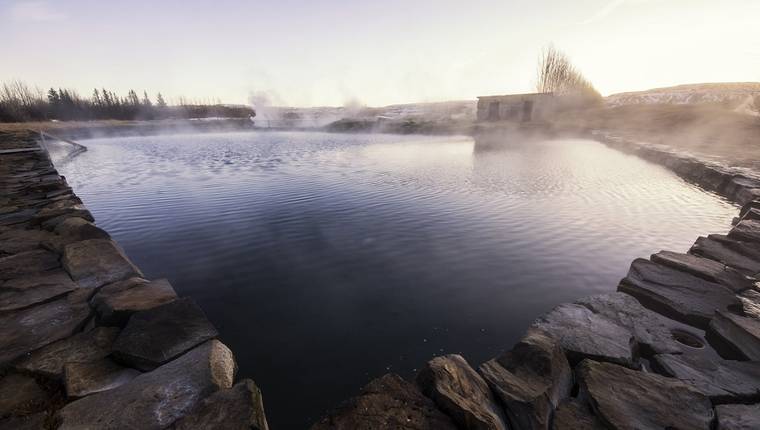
326,260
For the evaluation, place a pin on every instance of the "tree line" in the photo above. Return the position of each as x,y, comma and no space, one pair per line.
20,103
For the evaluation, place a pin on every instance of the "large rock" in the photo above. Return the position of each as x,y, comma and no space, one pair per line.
23,292
388,402
748,230
654,333
575,415
27,263
96,262
750,303
585,334
704,268
83,379
625,399
719,250
115,303
675,294
79,229
154,400
89,346
19,240
735,336
153,337
460,392
21,395
24,331
738,417
29,422
723,381
530,380
238,408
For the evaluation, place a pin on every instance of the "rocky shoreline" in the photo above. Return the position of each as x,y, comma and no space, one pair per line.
87,342
676,347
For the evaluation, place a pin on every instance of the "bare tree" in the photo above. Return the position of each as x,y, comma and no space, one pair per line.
556,74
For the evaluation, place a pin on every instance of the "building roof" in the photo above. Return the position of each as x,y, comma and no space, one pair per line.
515,96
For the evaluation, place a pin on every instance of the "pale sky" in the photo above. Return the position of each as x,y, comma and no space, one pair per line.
330,52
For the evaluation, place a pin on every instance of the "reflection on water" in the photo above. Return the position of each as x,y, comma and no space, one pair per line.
326,260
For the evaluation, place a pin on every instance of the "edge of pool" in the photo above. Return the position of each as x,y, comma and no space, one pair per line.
88,343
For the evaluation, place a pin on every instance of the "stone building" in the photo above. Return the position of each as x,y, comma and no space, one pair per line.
516,107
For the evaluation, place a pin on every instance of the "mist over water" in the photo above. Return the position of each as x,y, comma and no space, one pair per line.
326,260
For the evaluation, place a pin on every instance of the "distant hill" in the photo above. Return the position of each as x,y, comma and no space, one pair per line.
734,95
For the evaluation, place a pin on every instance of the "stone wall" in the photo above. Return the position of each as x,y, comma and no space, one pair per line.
677,346
86,342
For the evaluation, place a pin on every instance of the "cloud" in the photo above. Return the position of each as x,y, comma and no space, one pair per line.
35,11
603,12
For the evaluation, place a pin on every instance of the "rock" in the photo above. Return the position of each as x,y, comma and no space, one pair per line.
50,360
26,263
704,268
676,294
18,217
83,379
748,230
114,305
653,333
238,408
754,204
26,330
19,240
723,381
387,402
584,334
29,422
627,399
154,400
23,292
718,250
530,380
738,417
67,208
575,415
734,336
750,303
155,336
96,262
460,392
79,229
21,395
752,214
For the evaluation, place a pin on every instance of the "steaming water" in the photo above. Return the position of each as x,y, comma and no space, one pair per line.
327,260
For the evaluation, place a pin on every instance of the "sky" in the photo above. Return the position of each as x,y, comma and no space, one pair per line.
335,52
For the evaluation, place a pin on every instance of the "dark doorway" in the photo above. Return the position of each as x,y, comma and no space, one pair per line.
493,111
527,110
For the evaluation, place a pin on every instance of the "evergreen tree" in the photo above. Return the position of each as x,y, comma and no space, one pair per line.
146,100
160,101
53,98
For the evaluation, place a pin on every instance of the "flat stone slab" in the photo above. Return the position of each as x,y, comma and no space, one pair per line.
238,408
83,379
88,346
530,380
575,415
585,334
19,240
675,294
723,381
748,230
155,336
24,331
461,393
96,262
27,263
735,336
79,229
738,417
627,399
20,394
388,402
704,268
750,303
155,400
719,250
23,292
115,303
